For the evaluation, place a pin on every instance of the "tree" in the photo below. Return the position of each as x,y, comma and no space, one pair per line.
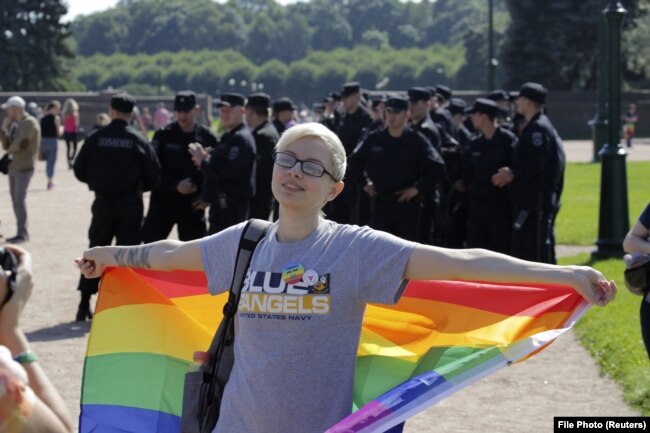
32,45
272,75
559,53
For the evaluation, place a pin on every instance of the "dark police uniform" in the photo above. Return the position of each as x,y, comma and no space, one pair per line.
332,119
490,209
118,164
411,161
538,169
457,204
266,137
431,220
440,115
167,206
344,209
229,174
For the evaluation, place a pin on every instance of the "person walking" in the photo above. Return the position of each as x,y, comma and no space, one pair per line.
50,133
70,128
21,136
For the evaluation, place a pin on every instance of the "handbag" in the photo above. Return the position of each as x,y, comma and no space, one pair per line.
4,163
637,273
203,388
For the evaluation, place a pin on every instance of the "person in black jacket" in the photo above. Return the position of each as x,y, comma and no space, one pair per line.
118,164
176,199
414,167
490,209
537,177
345,209
229,169
266,136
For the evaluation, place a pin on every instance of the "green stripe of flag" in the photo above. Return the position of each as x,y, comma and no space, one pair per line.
141,380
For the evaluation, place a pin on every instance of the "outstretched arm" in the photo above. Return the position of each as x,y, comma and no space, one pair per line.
434,263
162,255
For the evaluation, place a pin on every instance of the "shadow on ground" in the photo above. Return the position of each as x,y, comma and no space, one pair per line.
61,331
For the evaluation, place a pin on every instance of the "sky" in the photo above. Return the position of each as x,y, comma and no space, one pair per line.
86,7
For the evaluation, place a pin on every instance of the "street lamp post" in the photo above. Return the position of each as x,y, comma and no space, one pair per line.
492,63
614,220
599,122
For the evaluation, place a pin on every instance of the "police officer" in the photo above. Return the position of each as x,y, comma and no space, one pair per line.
414,169
118,164
266,136
537,178
457,202
490,209
176,199
283,109
431,215
332,113
502,99
344,208
440,96
229,170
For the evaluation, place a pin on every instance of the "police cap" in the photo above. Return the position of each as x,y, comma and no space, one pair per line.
533,91
457,106
350,88
498,95
258,100
333,96
376,102
231,100
283,104
443,91
485,106
123,102
185,101
419,94
396,103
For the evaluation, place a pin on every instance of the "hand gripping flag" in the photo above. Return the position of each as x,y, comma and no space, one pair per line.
440,337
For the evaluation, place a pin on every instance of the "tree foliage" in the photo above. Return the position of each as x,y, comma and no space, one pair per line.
32,45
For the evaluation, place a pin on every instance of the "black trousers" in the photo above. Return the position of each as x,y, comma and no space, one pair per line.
490,227
399,219
344,209
262,206
458,218
113,217
165,212
234,212
645,323
532,239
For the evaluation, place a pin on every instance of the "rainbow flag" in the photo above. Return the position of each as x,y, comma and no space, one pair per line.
441,337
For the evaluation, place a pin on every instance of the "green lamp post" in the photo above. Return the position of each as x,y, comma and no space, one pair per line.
599,122
614,222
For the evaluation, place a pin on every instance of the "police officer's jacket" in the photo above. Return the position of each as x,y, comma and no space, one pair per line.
231,168
442,117
538,166
172,148
350,128
393,164
483,159
430,130
117,160
266,137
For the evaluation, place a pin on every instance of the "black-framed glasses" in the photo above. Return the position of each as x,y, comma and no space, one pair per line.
310,168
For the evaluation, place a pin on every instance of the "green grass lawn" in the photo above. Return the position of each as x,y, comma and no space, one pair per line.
613,336
577,222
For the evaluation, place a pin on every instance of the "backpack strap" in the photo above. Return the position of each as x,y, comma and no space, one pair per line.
253,233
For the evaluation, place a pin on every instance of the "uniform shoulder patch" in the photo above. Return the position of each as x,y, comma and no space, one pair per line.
538,138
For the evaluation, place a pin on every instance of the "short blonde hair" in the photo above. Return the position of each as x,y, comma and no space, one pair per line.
322,133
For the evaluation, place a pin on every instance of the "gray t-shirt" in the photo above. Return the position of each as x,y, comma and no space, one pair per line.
298,323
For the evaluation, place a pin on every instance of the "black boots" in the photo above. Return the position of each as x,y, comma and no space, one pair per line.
83,312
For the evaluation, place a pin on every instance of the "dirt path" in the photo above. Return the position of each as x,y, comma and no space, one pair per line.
523,398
